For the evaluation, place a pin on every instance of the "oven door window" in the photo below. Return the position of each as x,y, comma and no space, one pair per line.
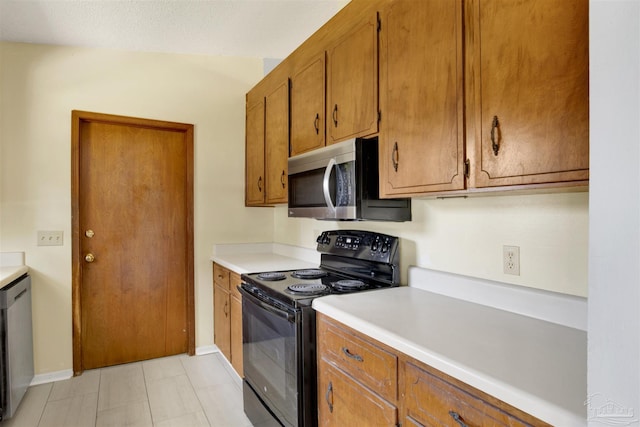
270,354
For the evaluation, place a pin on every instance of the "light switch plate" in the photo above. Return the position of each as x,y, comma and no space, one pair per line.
50,238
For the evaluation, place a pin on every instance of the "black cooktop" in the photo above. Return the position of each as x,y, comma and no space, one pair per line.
351,261
296,291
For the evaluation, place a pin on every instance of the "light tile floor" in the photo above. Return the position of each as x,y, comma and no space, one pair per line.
177,391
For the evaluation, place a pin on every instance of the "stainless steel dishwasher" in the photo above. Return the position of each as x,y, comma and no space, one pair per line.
16,356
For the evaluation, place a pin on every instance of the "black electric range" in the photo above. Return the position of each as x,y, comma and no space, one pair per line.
279,321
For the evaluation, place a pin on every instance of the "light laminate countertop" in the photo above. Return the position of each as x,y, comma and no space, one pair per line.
263,257
531,364
9,274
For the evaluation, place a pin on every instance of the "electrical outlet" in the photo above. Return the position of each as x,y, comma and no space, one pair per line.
50,238
511,260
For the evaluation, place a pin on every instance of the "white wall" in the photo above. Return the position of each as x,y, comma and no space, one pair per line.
614,222
40,85
466,236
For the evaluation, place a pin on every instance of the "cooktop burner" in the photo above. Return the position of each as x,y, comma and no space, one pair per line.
272,276
308,288
348,285
309,273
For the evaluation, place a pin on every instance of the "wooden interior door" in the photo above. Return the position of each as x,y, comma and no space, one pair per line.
132,239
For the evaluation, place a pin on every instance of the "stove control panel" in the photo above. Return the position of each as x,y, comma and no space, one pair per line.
359,244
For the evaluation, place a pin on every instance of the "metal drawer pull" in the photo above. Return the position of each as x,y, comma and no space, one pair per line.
326,396
357,357
283,179
495,142
316,123
260,184
335,115
457,418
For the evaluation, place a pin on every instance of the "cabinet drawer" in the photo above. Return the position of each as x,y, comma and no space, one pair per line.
367,362
221,276
431,400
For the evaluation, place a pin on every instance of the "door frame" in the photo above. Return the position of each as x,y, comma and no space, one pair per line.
77,117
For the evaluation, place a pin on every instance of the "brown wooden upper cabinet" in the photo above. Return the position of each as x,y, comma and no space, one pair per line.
352,83
307,91
267,148
421,97
526,95
474,95
254,156
277,143
527,92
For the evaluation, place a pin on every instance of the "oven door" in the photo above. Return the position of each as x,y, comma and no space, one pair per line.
270,356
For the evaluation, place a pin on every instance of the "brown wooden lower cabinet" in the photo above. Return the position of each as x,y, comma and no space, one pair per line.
343,401
227,315
364,382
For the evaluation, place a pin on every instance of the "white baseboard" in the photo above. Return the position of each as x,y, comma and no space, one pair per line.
52,377
207,349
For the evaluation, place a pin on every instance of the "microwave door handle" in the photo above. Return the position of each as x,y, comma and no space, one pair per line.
325,184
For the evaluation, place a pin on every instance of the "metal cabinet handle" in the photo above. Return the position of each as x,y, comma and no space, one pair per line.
226,309
495,141
395,158
335,115
283,179
89,258
316,123
457,418
260,184
327,394
350,355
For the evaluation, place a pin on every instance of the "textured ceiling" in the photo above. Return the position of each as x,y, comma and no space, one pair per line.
253,28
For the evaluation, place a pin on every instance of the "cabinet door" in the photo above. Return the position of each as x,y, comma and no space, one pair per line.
344,402
421,97
528,88
277,143
254,167
222,320
307,108
236,324
352,84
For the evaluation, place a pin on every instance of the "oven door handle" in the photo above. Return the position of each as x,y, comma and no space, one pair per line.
290,317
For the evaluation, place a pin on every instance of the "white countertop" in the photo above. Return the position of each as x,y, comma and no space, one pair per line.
531,364
262,257
11,267
9,274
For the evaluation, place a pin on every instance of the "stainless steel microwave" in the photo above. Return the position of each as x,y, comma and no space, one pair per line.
340,182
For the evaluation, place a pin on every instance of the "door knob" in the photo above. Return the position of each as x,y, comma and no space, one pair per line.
89,233
89,258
